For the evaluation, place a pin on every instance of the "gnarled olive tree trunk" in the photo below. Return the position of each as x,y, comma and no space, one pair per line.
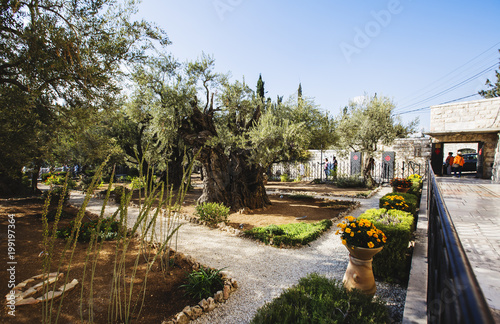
227,178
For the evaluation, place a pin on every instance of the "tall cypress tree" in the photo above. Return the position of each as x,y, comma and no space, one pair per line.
260,88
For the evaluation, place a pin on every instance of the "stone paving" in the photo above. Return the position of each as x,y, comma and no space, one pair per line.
474,205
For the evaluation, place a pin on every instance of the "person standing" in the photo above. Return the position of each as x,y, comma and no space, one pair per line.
458,163
449,163
335,164
326,168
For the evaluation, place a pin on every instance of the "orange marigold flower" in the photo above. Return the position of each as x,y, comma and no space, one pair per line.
370,244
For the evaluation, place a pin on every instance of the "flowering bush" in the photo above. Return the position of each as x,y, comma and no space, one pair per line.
401,183
414,177
361,233
397,201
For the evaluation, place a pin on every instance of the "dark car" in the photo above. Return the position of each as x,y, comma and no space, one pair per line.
470,160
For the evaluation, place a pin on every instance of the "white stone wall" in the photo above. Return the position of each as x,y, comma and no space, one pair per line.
470,115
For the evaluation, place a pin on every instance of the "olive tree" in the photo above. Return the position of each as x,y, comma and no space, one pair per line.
362,126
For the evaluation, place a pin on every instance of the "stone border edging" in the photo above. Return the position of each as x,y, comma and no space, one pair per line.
190,313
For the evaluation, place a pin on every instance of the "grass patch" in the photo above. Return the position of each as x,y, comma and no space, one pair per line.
317,299
301,197
203,283
290,234
338,204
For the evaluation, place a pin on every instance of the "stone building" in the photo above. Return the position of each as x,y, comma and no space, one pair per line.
468,122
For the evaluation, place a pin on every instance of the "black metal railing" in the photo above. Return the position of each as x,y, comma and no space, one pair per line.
453,293
315,170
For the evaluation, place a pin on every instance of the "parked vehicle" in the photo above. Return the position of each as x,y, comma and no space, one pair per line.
470,162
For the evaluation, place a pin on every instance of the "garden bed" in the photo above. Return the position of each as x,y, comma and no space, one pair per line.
164,298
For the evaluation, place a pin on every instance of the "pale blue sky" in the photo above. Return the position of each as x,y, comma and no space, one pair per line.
407,50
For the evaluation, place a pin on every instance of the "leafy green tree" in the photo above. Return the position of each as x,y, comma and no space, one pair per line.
494,88
320,126
362,126
236,137
60,61
163,94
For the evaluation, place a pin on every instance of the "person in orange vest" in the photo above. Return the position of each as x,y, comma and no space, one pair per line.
449,162
458,163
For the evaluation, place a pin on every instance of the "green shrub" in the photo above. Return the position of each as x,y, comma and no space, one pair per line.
393,262
401,201
108,230
44,176
120,192
203,283
290,234
316,299
416,185
284,178
58,179
213,213
138,183
300,197
55,196
354,181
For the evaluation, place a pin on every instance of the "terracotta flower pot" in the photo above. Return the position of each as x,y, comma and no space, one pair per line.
359,272
401,189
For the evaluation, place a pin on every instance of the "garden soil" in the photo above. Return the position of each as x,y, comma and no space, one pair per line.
164,297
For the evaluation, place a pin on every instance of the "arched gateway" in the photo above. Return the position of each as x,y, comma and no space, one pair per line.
468,122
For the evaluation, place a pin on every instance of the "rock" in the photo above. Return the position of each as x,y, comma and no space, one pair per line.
69,286
226,292
50,295
28,293
203,304
234,283
219,297
189,259
27,301
181,318
23,284
187,310
197,311
224,274
179,257
211,304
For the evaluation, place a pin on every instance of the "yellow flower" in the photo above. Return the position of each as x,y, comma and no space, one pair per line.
370,245
344,242
337,232
352,234
348,230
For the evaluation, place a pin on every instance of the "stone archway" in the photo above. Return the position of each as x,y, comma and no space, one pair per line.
472,121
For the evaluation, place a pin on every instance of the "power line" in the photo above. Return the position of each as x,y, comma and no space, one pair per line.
428,107
456,69
490,68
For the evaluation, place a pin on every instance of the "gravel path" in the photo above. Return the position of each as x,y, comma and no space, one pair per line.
263,272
